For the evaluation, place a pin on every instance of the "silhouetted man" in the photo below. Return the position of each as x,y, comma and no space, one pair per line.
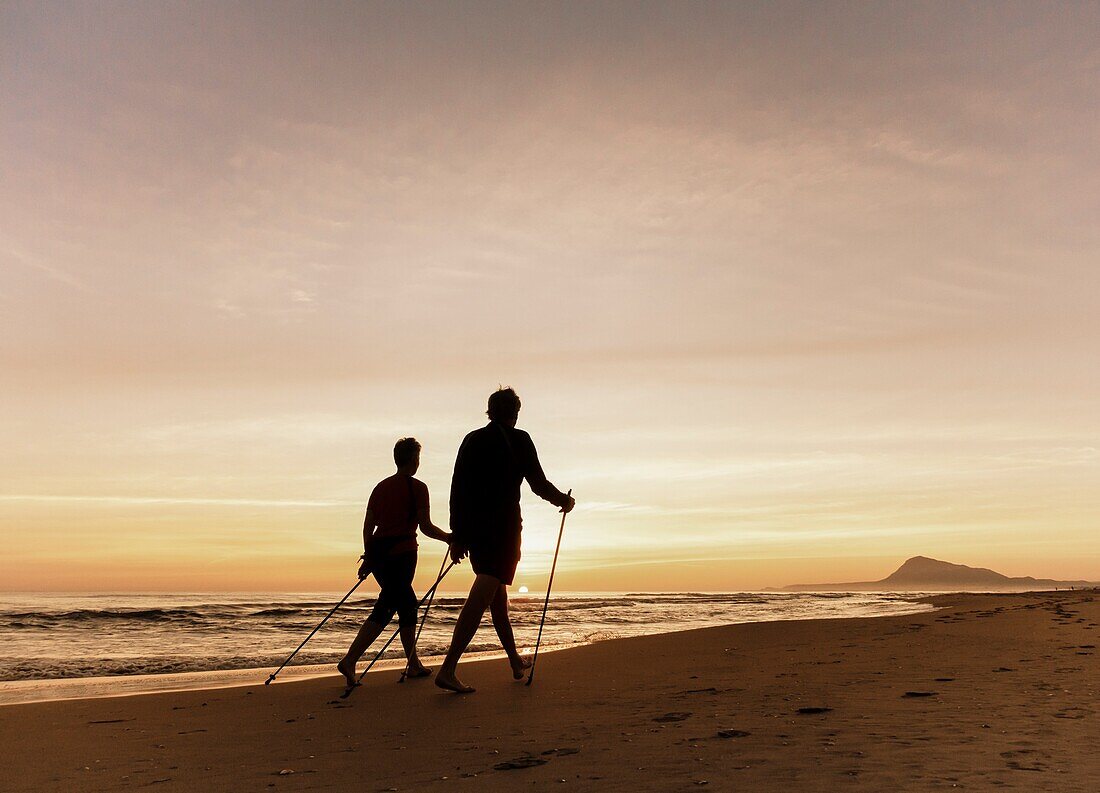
486,523
397,505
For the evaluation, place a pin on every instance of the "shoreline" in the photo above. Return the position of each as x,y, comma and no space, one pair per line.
983,692
26,691
565,631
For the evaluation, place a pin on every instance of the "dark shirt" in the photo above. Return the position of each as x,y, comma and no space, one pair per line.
395,503
491,465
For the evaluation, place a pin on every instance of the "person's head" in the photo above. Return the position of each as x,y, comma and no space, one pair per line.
406,453
504,406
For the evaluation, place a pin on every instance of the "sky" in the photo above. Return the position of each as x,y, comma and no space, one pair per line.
790,291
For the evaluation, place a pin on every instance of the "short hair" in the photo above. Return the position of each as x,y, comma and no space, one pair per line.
405,451
503,404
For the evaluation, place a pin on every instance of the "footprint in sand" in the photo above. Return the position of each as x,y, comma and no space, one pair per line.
528,761
1073,713
1021,760
733,734
671,717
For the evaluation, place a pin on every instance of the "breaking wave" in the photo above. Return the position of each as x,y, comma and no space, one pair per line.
54,636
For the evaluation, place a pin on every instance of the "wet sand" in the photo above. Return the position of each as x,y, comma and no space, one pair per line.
989,692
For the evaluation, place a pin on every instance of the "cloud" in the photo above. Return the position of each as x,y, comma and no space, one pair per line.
143,501
819,271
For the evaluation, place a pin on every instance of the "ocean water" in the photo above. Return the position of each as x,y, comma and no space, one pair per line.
56,636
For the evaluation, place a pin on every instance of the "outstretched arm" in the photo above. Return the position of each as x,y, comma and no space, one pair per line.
424,516
540,485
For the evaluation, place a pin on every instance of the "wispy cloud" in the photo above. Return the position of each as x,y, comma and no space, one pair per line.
139,501
32,262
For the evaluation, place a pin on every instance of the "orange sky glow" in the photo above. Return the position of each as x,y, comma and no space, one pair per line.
790,291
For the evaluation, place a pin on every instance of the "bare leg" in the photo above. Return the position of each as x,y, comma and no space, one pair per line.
503,623
366,636
408,641
481,595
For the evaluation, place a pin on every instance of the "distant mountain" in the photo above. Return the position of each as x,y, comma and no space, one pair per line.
921,574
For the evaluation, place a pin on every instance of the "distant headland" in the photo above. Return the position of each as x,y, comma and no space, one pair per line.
921,574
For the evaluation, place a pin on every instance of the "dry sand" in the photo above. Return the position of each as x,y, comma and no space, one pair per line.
1004,695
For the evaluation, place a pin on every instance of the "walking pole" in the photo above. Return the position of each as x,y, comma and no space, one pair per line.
303,644
389,641
549,586
424,616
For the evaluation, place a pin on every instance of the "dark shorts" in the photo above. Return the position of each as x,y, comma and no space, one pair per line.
498,557
394,573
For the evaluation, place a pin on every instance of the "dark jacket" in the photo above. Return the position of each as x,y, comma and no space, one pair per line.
491,465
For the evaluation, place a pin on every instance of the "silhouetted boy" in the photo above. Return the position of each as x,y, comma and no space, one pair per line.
396,507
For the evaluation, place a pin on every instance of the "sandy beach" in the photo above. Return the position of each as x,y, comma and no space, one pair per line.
987,692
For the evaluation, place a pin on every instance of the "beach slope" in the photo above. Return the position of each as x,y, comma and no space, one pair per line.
989,691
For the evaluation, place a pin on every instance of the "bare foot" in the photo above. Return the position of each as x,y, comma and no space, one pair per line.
519,666
348,671
451,683
418,670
